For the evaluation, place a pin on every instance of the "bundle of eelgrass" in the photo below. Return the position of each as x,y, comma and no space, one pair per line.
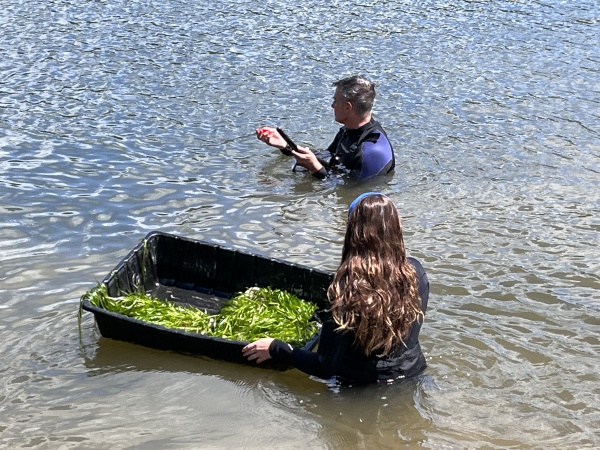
256,313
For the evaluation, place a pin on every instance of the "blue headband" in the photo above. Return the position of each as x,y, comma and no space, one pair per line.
359,198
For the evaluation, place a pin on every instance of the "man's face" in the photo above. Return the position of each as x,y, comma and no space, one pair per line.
341,107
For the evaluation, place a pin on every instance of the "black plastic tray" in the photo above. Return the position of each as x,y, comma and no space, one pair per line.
204,275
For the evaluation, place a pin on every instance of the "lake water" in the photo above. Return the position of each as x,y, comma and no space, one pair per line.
122,117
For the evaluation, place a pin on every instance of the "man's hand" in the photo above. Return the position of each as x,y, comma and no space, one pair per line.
304,157
307,159
271,137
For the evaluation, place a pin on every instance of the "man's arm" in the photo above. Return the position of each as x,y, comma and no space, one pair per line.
307,159
322,172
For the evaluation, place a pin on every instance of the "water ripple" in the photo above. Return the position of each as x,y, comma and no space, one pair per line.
119,118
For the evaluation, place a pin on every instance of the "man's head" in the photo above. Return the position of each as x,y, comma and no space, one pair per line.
353,99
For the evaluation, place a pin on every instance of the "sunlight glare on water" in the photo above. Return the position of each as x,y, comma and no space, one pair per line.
120,118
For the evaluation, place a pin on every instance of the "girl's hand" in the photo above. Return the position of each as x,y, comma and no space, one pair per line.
258,350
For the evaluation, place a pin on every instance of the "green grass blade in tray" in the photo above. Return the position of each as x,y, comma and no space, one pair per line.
261,312
148,309
256,313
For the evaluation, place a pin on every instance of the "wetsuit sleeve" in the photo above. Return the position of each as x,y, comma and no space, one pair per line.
325,362
423,282
377,157
413,337
322,173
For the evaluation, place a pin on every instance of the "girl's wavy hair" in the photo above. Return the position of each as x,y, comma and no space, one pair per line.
374,292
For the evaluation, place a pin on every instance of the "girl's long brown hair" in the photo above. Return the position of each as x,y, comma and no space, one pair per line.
374,291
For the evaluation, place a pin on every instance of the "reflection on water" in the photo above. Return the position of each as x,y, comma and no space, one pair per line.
118,118
330,413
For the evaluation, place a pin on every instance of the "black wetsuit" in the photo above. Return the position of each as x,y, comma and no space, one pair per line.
365,152
338,356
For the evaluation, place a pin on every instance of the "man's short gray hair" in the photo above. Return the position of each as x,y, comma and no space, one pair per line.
359,91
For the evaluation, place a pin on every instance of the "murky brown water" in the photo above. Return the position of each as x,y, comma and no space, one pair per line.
117,118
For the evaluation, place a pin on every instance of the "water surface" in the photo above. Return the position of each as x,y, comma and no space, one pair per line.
118,118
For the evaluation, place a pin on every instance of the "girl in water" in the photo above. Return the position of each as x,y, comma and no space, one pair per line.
378,300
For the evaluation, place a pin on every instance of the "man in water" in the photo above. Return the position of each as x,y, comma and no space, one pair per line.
360,146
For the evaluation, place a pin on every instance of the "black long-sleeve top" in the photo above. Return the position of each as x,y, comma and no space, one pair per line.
338,355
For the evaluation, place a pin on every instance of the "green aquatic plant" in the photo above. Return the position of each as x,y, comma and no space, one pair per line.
260,312
255,313
149,309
